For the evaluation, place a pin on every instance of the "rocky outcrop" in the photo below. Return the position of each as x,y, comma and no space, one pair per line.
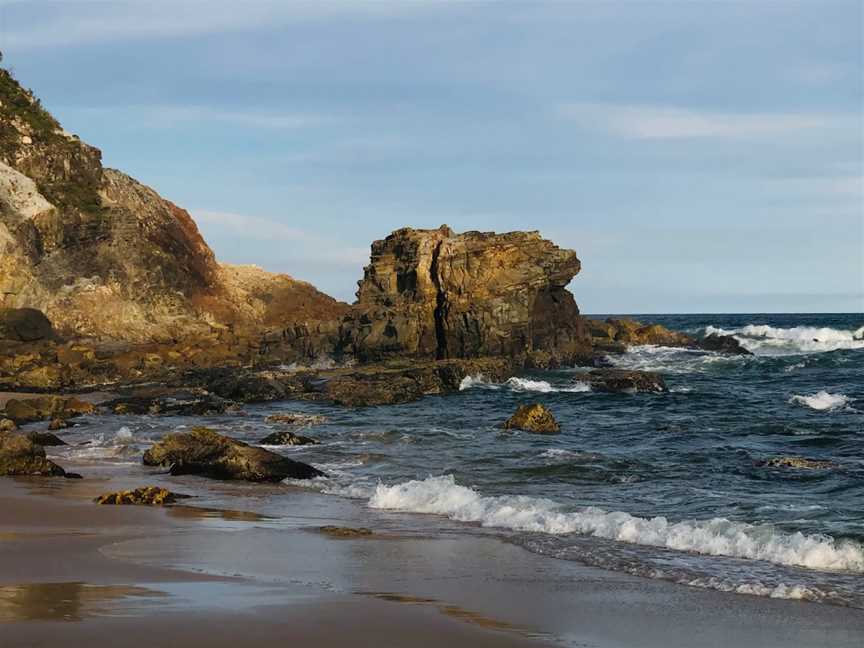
534,418
20,457
146,495
104,256
617,334
204,452
435,294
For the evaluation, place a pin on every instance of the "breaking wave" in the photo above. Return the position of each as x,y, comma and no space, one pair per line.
523,385
762,339
821,401
715,537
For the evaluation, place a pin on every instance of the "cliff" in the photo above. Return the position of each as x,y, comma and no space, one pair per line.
105,256
438,294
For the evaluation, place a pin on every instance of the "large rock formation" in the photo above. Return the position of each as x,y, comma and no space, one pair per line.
102,255
437,294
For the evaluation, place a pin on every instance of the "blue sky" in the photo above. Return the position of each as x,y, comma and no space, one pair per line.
699,156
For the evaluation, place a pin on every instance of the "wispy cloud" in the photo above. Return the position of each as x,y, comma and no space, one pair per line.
170,115
249,227
667,122
77,22
320,249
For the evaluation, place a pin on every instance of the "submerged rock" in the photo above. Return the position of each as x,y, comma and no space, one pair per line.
533,418
296,418
148,495
287,438
19,456
46,407
345,532
723,344
796,462
625,380
204,452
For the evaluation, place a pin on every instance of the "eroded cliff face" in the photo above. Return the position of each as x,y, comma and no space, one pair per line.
103,255
437,294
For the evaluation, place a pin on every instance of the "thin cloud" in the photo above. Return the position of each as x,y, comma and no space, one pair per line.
662,122
76,23
249,227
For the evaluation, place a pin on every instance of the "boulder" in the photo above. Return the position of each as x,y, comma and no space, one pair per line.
796,462
624,380
19,456
148,495
46,407
533,418
435,294
205,452
24,325
7,425
723,344
287,438
45,439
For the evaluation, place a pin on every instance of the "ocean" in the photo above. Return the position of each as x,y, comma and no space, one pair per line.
666,486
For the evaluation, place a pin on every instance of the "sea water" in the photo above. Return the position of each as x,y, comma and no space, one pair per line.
661,485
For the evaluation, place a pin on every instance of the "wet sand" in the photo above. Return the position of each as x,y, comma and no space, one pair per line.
80,574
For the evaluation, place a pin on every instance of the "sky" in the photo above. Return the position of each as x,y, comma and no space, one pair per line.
699,156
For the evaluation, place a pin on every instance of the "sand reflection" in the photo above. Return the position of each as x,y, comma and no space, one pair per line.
70,601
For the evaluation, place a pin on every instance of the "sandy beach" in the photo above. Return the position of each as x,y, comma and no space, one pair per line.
89,575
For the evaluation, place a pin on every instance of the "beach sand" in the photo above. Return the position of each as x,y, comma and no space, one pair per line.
79,574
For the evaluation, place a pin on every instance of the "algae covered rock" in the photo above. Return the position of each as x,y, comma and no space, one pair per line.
287,438
205,452
147,495
796,462
625,380
19,456
345,533
296,418
533,418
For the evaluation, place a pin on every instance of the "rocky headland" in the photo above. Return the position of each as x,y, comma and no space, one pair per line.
107,285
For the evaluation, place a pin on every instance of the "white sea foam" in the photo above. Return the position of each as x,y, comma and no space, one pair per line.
718,536
821,401
762,339
523,385
477,380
